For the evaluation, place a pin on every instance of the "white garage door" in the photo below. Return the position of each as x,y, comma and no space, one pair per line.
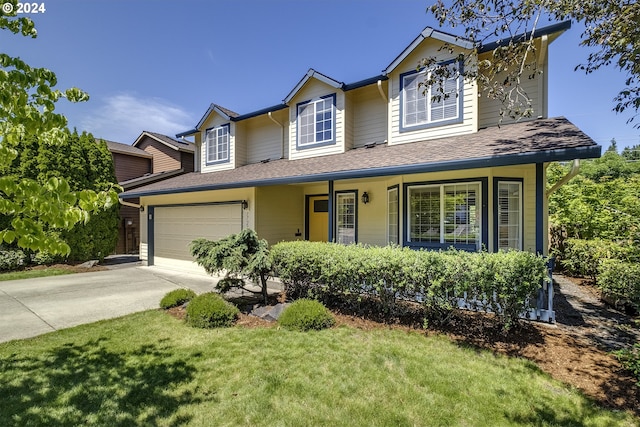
175,227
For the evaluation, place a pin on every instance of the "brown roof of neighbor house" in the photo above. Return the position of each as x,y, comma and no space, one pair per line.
118,147
537,141
149,178
167,140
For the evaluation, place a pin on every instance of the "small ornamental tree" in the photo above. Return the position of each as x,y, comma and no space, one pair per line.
239,256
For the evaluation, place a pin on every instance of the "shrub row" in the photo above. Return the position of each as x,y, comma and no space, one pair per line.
583,257
505,283
619,282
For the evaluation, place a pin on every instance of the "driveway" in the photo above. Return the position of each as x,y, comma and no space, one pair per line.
33,307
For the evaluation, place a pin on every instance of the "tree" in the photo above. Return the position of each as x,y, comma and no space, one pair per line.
611,28
631,153
85,164
240,256
27,104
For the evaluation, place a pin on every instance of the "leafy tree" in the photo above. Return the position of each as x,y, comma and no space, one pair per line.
27,104
240,256
631,153
611,29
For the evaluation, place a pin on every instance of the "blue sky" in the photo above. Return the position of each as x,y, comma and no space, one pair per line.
157,65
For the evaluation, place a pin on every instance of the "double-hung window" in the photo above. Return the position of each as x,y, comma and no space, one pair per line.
430,106
444,215
508,202
217,144
316,121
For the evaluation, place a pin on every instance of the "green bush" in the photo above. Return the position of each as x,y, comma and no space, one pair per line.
583,257
11,259
619,282
306,314
630,360
505,283
209,310
177,297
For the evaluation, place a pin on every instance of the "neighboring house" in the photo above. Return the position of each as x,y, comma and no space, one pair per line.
374,162
152,158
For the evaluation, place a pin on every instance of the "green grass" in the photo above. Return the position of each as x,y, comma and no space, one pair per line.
151,369
31,274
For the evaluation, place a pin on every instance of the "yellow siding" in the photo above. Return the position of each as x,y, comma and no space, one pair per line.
312,90
264,138
280,213
240,148
369,115
535,86
470,100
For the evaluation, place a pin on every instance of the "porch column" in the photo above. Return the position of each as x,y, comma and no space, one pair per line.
331,212
540,192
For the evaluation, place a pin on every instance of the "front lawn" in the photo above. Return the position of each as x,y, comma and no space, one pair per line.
151,369
34,273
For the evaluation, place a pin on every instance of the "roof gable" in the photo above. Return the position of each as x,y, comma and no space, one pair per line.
428,33
218,109
312,74
166,141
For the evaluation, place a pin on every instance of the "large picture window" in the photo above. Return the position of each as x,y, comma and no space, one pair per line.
508,203
217,144
316,121
443,215
425,106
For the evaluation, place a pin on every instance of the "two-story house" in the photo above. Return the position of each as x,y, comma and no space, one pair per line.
376,161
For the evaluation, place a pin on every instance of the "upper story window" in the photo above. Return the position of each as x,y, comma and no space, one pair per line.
423,107
316,121
217,144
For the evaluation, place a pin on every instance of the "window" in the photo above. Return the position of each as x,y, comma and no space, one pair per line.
509,214
346,217
217,144
393,217
444,215
316,121
418,108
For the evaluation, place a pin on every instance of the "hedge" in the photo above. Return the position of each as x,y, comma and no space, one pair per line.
619,282
505,283
583,257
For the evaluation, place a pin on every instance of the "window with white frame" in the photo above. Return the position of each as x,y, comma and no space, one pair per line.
316,121
423,106
393,217
217,144
509,215
445,214
346,217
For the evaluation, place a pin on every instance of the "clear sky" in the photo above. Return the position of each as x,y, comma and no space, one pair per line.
157,65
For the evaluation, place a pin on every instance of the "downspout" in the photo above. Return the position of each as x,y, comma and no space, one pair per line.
281,133
575,168
382,94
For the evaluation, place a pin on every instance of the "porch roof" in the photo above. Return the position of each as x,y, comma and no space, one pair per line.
538,141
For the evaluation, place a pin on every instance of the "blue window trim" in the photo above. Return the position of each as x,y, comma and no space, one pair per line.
333,124
484,222
497,180
355,218
458,119
206,147
397,188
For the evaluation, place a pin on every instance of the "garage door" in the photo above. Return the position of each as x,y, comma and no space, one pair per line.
175,227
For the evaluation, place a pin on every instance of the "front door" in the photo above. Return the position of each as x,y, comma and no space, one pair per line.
318,218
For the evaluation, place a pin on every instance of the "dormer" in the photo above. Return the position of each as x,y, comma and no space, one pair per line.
316,116
216,140
414,115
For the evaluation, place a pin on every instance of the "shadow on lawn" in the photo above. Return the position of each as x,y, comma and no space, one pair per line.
91,384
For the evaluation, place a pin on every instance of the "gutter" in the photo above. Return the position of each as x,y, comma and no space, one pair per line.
575,168
281,133
131,205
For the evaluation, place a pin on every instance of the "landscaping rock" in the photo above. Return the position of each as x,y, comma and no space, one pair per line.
89,264
270,313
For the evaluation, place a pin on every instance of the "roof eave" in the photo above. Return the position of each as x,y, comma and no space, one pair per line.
312,74
560,27
588,152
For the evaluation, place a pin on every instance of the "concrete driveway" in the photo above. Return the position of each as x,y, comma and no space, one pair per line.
32,307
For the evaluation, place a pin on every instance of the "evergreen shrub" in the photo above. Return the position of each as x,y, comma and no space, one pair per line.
306,314
177,297
209,310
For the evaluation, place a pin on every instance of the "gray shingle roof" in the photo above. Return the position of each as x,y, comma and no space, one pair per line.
541,140
180,145
118,147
